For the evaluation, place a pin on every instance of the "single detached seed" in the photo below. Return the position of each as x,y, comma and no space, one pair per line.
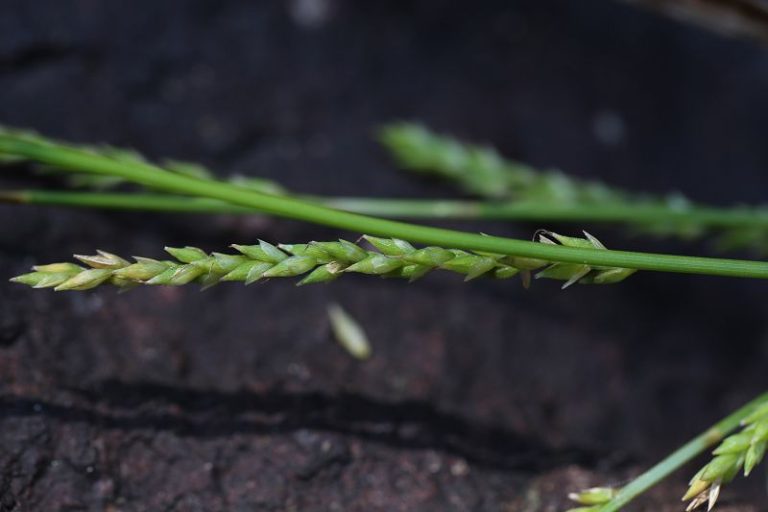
348,332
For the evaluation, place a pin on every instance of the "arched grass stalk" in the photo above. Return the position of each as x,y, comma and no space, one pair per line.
23,146
316,262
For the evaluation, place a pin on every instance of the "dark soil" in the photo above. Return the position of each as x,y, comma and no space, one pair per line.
479,396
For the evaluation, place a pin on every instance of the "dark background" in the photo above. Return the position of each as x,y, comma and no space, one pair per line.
479,396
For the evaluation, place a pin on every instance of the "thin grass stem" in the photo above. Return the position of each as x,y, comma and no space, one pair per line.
404,208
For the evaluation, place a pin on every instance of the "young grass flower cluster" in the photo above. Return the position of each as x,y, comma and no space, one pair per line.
745,449
481,171
317,262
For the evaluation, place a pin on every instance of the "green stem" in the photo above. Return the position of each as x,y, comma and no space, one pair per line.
524,210
123,201
411,208
307,211
681,456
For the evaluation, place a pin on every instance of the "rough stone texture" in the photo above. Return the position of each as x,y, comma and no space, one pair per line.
479,396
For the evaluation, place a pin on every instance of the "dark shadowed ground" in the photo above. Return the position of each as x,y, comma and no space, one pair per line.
480,396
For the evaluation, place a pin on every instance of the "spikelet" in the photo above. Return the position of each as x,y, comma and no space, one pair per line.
591,500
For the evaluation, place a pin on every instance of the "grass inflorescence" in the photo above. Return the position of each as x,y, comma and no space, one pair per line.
744,449
481,171
315,262
740,451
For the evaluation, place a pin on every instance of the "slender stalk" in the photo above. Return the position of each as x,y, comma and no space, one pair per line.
681,456
542,211
409,208
123,201
85,161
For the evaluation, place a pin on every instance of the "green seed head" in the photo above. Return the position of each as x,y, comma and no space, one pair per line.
736,443
313,250
262,252
390,246
248,271
696,487
461,263
431,256
271,253
481,266
85,280
54,268
723,468
42,279
505,272
754,456
220,263
164,277
293,266
593,496
323,274
526,263
341,251
410,272
568,272
186,254
377,264
256,272
103,260
144,270
588,242
611,275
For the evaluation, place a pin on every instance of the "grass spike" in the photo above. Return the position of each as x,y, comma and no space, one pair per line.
317,262
742,450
